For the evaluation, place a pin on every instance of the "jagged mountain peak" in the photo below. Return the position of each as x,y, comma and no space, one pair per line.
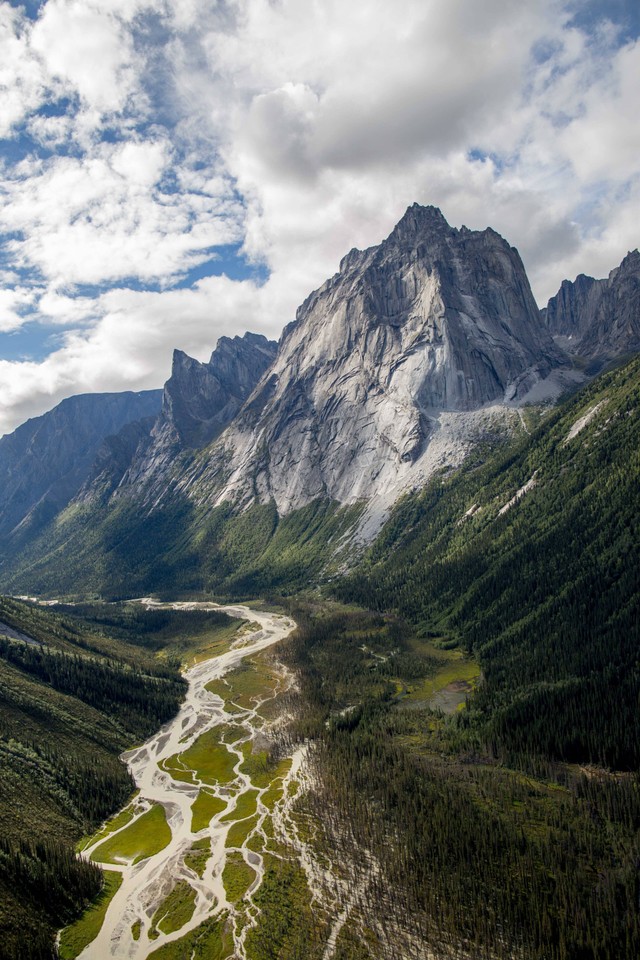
629,265
418,219
597,320
432,320
200,399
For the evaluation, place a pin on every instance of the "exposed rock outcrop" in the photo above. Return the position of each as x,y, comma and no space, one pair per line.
199,401
433,320
598,320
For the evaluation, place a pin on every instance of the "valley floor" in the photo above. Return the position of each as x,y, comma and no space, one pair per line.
188,857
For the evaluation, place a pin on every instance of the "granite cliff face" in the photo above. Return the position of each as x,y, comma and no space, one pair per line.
598,319
198,402
46,460
384,365
201,399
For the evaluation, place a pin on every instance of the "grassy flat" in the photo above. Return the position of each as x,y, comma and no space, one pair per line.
237,877
261,770
147,835
271,796
76,937
176,909
175,768
251,682
209,758
203,808
210,941
239,832
197,857
245,807
115,823
457,674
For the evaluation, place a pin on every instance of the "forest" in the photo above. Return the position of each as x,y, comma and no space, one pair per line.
474,856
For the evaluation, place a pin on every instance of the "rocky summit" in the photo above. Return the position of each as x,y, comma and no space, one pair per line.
392,368
199,401
598,320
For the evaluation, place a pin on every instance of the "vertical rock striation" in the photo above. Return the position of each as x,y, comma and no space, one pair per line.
433,320
598,320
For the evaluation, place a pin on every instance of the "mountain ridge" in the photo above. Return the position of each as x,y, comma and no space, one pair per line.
598,320
45,461
415,352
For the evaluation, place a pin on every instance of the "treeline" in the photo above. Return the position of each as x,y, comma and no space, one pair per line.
472,858
55,882
141,703
545,594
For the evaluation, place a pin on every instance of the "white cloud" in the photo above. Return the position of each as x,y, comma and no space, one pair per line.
301,130
22,80
12,304
106,217
87,47
130,345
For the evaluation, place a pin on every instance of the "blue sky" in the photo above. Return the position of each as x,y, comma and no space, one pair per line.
176,170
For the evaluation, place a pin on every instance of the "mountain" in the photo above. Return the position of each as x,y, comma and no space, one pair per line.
388,371
198,402
45,461
266,465
598,320
532,561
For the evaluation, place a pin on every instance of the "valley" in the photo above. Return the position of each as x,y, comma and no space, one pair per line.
214,794
378,696
220,806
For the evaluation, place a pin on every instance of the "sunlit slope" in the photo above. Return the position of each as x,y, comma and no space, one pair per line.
531,560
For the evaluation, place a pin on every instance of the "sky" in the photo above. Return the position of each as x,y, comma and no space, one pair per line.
172,171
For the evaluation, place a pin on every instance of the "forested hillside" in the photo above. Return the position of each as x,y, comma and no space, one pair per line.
532,562
447,846
120,550
77,686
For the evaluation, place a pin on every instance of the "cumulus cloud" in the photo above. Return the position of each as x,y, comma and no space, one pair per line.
13,302
87,47
108,216
22,79
129,337
165,131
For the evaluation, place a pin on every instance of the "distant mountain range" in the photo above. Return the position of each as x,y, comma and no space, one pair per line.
414,353
45,461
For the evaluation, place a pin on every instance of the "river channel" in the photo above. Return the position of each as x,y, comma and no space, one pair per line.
163,775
